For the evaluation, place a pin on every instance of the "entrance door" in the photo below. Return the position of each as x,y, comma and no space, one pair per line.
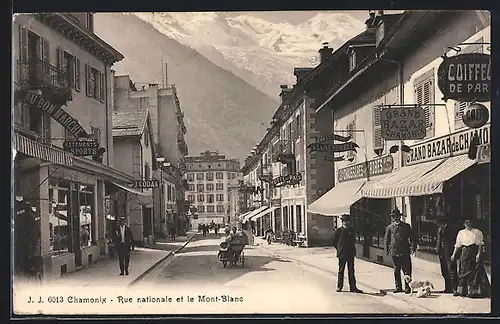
75,227
298,214
146,223
367,231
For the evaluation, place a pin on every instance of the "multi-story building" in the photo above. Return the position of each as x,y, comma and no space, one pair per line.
62,93
168,130
135,154
208,176
426,178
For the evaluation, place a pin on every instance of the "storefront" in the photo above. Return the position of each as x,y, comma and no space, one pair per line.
369,215
440,179
68,198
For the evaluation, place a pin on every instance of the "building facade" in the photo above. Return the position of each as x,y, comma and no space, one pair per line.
208,176
424,178
135,155
62,94
168,130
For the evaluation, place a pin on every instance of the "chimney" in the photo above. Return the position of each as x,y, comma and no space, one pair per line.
369,22
325,52
284,92
166,74
300,72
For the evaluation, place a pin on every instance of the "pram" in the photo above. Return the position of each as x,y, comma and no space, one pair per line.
232,251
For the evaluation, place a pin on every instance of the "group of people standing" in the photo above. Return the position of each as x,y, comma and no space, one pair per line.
204,228
460,253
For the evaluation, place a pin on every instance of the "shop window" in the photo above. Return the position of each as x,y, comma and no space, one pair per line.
210,176
58,216
426,211
424,94
87,212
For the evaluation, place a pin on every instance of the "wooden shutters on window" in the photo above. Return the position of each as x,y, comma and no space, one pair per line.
101,87
88,81
424,94
76,69
378,141
23,44
61,67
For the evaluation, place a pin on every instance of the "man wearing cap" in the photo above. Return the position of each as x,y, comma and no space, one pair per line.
400,243
446,235
344,242
124,240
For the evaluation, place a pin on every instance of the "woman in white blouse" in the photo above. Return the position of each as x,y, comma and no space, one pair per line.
472,278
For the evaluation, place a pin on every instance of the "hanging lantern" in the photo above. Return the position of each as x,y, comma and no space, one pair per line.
475,115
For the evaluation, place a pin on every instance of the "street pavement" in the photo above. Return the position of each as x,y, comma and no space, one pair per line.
378,277
271,283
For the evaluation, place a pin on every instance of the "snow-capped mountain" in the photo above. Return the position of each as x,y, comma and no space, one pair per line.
262,53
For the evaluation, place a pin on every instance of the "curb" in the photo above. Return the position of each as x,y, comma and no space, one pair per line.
336,273
170,253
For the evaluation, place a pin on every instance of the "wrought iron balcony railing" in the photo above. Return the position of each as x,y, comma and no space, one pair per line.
36,73
283,151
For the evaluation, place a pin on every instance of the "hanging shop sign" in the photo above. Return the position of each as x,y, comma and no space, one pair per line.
81,147
475,115
403,123
484,153
375,167
146,184
333,137
445,146
322,147
465,77
333,158
56,112
291,179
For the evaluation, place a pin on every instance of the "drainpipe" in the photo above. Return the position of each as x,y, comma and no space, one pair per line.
107,116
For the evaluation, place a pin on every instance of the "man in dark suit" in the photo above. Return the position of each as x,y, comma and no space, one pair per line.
344,242
400,243
124,241
446,237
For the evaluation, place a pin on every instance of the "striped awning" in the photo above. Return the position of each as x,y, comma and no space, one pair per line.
242,216
420,179
253,213
338,200
263,213
43,152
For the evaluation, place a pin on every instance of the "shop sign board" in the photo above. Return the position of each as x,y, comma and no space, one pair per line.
484,153
403,123
375,167
81,147
290,179
449,145
333,137
56,112
324,147
146,184
475,115
465,77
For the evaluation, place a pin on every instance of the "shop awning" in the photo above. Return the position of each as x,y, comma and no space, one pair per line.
339,199
253,213
263,213
131,190
418,180
242,216
43,152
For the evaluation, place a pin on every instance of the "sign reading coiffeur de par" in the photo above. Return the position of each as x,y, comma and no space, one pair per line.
465,77
403,123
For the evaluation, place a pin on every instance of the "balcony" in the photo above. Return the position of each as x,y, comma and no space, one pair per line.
267,173
39,74
284,151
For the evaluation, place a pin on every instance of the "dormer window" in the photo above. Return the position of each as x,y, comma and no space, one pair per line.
380,34
352,60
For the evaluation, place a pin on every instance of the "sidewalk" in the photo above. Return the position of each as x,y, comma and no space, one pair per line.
374,277
106,271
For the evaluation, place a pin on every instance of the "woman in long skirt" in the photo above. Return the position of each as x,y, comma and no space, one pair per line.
472,278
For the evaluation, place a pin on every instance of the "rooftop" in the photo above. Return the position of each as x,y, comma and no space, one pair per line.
129,123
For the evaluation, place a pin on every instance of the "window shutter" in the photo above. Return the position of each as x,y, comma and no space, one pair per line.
88,85
23,44
45,50
76,81
424,94
101,87
459,107
378,142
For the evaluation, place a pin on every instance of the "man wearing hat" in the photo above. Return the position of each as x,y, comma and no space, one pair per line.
400,243
446,236
344,242
124,241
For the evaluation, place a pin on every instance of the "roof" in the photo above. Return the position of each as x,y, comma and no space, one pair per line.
129,123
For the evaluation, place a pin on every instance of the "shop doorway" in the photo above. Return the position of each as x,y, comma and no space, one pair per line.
298,214
74,223
367,234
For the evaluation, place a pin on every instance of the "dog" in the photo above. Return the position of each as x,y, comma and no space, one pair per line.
421,288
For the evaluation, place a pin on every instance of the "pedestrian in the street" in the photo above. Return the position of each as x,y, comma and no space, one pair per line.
344,242
473,281
446,235
216,229
204,229
124,240
400,244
